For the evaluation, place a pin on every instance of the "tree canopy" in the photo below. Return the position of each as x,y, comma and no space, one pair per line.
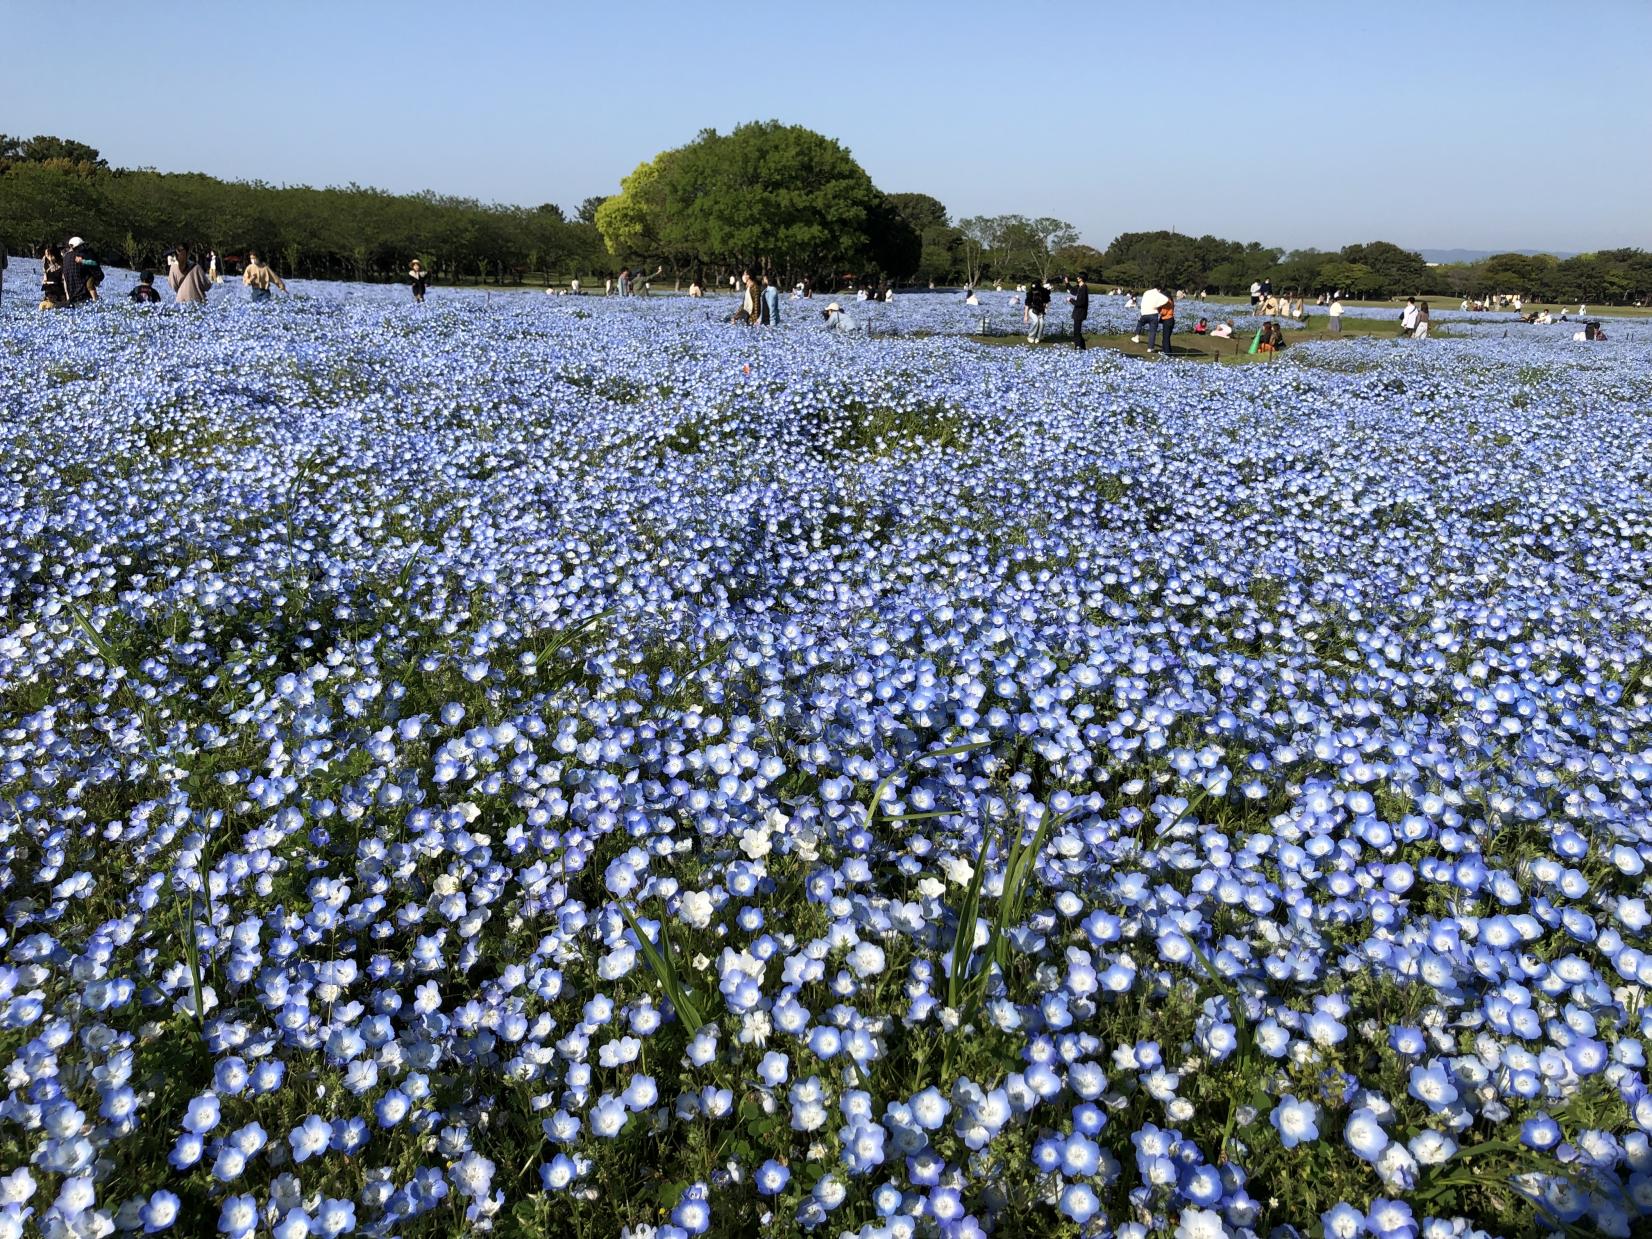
774,196
779,197
52,187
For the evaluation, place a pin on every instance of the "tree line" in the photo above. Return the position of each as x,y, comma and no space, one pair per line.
51,187
779,198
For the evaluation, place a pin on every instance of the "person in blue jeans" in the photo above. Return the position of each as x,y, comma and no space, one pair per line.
258,277
1167,323
1151,301
771,302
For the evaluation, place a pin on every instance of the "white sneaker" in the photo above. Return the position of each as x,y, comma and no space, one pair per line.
1135,339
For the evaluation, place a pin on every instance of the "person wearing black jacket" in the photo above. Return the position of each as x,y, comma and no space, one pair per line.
76,266
1080,300
1038,300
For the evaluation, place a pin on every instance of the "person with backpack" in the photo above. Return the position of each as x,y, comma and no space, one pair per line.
1079,299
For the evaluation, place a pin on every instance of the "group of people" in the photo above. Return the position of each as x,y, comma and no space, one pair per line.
1414,319
759,301
70,275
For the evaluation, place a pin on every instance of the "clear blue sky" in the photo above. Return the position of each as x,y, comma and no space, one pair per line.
1473,123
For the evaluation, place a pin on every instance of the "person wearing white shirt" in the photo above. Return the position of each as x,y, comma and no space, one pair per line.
1148,317
1336,317
1255,293
1408,317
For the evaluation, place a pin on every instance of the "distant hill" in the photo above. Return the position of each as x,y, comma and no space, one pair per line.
1477,255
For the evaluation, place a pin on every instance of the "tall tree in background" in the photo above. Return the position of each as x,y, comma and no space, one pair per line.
778,196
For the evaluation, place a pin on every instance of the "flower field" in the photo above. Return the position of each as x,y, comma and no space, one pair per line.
556,766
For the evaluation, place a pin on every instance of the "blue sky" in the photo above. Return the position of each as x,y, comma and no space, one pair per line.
1473,123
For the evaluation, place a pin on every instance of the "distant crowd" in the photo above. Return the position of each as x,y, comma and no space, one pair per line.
70,274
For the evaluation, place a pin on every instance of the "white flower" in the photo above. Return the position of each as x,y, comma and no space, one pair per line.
697,909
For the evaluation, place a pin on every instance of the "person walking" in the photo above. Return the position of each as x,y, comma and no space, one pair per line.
144,293
258,277
1147,317
1038,301
623,285
1079,299
1255,293
188,278
420,278
2,274
1335,313
1408,317
1421,331
771,302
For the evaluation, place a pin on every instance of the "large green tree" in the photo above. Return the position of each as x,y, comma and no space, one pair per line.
1402,272
780,197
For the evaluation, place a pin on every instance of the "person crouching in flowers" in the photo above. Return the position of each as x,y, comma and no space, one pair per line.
838,320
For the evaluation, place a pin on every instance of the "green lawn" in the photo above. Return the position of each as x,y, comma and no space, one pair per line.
1187,346
1454,303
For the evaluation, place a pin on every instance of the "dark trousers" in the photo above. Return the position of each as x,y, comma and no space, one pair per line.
1078,332
1167,325
1150,324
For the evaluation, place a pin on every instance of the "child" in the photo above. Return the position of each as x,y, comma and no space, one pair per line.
1201,328
144,293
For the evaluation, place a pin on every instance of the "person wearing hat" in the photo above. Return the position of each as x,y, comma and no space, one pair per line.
837,320
81,273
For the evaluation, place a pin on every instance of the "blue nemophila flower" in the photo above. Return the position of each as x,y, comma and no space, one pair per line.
238,1216
1079,1202
310,1138
159,1212
465,662
1365,1135
771,1177
556,1174
202,1115
1295,1121
1433,1086
692,1213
